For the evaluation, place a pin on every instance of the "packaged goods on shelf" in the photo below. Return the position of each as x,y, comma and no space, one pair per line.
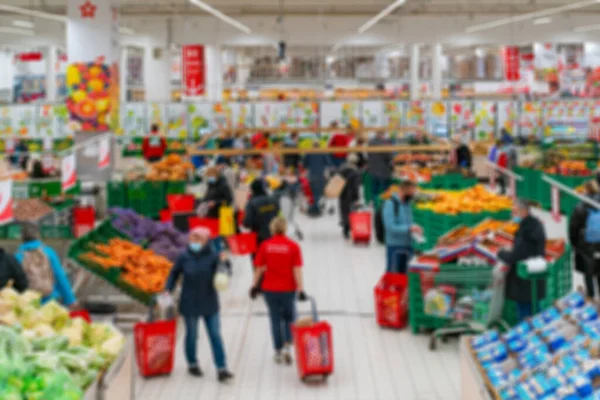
47,355
553,355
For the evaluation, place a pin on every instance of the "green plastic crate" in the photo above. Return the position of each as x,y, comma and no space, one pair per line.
56,232
10,232
116,194
176,187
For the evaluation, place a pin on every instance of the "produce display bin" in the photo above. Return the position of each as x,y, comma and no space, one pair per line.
567,202
449,182
116,194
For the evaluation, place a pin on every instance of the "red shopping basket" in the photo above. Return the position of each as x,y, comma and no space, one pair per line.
181,202
242,243
83,314
212,224
391,301
155,347
314,347
165,215
84,219
361,226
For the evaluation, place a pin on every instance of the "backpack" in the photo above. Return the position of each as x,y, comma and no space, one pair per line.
39,272
592,227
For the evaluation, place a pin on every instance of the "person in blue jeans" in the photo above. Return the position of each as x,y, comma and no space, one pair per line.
399,227
199,299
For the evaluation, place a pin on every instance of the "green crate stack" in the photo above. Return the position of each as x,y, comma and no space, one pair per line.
568,202
56,232
156,198
10,232
116,193
175,187
137,197
528,187
450,182
20,190
367,184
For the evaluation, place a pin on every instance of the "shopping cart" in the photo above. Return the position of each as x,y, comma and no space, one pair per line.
314,347
361,226
486,313
289,202
391,301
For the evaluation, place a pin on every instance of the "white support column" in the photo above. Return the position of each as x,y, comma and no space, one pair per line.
414,71
51,72
436,73
123,73
214,72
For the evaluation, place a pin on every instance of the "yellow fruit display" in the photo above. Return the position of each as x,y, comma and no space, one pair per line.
473,200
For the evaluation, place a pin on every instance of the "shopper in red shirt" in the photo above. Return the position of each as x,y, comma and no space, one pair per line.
154,146
278,275
340,139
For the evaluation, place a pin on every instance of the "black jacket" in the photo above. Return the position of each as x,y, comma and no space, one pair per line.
220,193
350,194
11,270
260,211
463,157
584,252
530,241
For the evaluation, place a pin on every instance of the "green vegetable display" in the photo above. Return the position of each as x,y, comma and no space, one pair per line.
46,355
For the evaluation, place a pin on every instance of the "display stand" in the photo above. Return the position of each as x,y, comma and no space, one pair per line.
472,386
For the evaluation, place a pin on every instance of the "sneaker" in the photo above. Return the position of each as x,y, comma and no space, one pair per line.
287,356
278,358
195,371
224,375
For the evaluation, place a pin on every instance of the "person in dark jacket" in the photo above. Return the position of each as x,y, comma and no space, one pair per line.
379,165
11,271
585,260
317,165
291,160
260,210
199,299
351,192
529,242
464,158
218,193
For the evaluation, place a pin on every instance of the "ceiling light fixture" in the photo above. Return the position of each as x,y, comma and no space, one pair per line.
123,30
542,21
586,28
529,16
33,13
16,31
221,16
21,23
386,11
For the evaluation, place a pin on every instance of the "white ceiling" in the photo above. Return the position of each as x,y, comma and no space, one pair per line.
327,7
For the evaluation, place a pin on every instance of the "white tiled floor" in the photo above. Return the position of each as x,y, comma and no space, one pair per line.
370,363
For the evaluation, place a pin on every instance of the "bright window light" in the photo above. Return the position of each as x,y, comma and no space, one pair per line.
587,28
21,23
542,21
382,14
16,31
221,16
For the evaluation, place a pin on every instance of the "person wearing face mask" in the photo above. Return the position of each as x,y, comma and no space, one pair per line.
197,266
399,227
529,242
218,192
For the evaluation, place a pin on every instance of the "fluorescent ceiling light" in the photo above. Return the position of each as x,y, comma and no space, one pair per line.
586,28
16,31
380,16
21,23
33,13
529,16
329,59
221,16
542,21
123,30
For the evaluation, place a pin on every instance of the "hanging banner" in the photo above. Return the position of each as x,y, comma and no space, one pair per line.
6,202
104,152
193,70
69,172
555,198
511,63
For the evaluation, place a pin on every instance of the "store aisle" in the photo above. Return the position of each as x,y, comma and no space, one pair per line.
370,363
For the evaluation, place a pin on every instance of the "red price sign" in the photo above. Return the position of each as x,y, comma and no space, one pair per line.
193,70
511,63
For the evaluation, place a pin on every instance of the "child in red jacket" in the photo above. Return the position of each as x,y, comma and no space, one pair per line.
154,146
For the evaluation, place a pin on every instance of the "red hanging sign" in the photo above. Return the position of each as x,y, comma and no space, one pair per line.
29,57
555,197
6,202
193,70
511,63
69,172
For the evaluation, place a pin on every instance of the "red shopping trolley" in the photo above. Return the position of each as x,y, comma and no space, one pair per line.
242,243
314,347
155,347
361,226
391,301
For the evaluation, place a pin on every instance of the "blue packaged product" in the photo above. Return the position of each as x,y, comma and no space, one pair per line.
567,364
508,394
587,313
524,392
581,355
567,393
591,368
540,385
485,339
555,341
495,352
582,384
498,380
572,300
546,317
517,345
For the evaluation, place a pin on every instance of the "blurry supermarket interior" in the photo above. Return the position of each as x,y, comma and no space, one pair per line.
299,199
